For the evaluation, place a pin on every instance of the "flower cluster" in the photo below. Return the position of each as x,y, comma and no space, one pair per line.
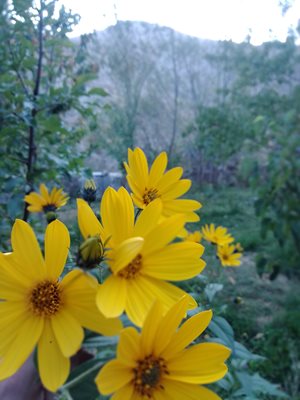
229,254
141,245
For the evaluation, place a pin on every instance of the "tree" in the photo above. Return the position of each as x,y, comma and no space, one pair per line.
43,80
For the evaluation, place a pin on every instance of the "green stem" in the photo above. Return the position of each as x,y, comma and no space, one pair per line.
66,395
80,377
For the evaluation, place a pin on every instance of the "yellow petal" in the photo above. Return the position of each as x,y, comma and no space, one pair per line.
143,291
128,350
125,393
139,166
57,244
54,368
115,217
36,201
163,234
177,189
201,364
149,330
137,190
191,217
113,376
80,291
127,211
181,205
158,168
44,192
169,324
176,262
12,316
87,220
68,332
184,391
111,296
125,253
27,250
20,346
148,218
170,177
13,286
188,332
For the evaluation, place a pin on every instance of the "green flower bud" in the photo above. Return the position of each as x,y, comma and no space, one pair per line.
91,252
89,191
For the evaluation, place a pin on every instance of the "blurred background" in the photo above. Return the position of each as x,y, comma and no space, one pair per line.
216,84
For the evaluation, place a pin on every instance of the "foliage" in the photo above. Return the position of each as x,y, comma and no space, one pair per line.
280,346
43,91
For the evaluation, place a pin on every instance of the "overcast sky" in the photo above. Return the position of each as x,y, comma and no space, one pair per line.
210,19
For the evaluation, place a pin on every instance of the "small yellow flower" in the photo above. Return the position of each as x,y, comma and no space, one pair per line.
195,236
156,363
148,185
38,309
218,235
141,255
238,248
228,256
45,201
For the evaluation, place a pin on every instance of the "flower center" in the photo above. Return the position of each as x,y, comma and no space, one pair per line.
132,269
49,207
45,299
150,195
147,375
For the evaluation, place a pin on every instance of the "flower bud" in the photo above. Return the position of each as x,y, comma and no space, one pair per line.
89,191
91,252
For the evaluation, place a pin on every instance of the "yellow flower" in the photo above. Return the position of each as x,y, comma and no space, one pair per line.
149,185
228,256
156,365
195,236
218,235
38,309
45,201
141,256
238,248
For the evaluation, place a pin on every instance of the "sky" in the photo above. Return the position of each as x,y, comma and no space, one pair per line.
207,19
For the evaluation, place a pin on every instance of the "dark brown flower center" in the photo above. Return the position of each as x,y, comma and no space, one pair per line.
147,375
49,207
132,269
45,298
150,195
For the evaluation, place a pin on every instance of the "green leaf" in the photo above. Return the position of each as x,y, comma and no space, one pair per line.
212,289
254,385
98,91
241,352
221,328
86,388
